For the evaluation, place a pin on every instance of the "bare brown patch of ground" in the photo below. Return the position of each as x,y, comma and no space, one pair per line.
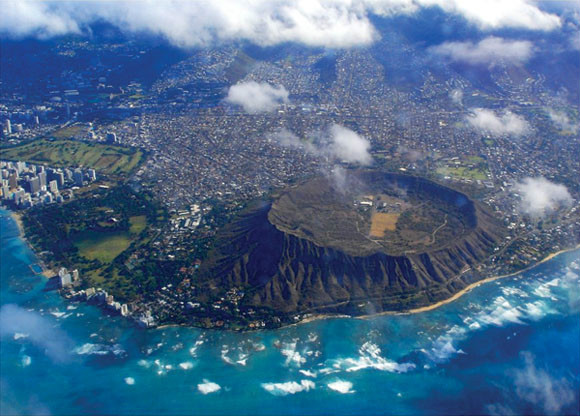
382,222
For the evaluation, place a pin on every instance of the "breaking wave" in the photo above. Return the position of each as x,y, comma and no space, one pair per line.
370,357
290,387
344,387
100,349
208,387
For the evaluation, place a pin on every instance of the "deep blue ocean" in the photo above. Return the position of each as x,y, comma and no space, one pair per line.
508,347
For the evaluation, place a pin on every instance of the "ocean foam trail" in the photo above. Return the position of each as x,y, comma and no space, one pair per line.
502,312
242,359
370,357
198,343
499,313
290,387
224,354
511,291
100,349
544,290
208,387
535,310
443,347
186,365
341,386
130,381
293,357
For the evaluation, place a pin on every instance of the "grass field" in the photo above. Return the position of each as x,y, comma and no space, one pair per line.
103,158
103,246
463,172
382,222
138,224
69,132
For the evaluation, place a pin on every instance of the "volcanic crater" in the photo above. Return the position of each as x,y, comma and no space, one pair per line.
354,242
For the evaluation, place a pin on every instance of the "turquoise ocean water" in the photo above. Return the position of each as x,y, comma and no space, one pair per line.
508,347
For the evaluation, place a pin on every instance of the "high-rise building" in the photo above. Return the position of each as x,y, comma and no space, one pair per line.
5,191
42,177
34,184
78,177
13,180
92,175
26,201
8,126
18,196
65,277
60,178
20,166
53,187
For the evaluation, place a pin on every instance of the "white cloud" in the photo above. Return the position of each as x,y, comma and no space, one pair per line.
487,51
54,342
496,14
349,146
537,387
540,196
285,137
336,142
257,97
39,19
328,23
456,96
561,120
507,123
288,139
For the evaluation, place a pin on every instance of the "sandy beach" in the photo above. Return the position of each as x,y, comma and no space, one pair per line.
441,303
467,288
17,217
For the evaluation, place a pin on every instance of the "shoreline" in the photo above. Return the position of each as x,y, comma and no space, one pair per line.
17,218
427,308
48,273
436,305
468,288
